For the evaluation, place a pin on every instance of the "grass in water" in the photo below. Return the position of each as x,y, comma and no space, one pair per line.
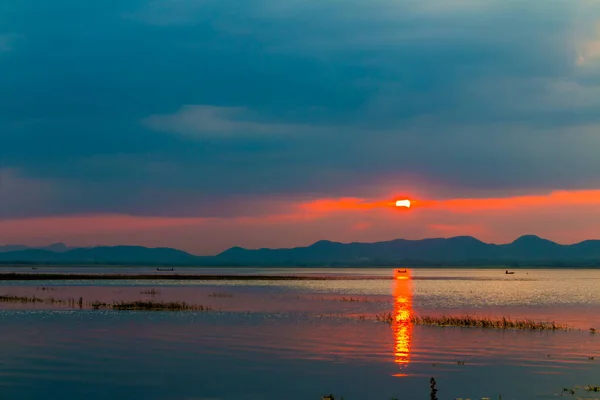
34,299
355,299
221,295
20,299
131,305
480,322
150,292
44,288
151,306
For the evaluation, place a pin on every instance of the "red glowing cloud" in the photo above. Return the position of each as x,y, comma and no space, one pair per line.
564,216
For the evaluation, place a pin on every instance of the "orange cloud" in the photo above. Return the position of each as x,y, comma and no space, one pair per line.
564,216
556,198
361,226
344,204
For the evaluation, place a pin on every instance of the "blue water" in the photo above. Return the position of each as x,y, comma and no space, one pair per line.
300,340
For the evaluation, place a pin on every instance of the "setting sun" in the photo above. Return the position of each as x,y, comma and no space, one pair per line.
403,203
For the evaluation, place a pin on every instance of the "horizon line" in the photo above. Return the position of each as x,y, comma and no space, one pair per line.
44,247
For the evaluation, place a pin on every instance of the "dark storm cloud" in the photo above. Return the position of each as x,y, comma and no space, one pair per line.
169,107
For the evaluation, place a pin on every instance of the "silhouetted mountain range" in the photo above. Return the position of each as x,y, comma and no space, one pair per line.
102,255
457,251
56,247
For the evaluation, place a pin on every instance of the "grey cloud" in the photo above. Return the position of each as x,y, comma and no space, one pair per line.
295,99
199,121
168,12
7,41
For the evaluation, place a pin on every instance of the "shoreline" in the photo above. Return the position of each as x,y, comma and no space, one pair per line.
175,277
28,266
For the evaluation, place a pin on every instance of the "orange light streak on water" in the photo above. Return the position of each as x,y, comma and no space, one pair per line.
402,325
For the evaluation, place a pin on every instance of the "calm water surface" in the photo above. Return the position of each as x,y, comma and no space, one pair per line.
302,339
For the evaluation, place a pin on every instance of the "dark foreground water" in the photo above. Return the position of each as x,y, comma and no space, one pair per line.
303,339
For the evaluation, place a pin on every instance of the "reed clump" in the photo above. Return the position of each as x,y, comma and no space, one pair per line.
150,292
24,299
20,299
468,321
34,299
44,288
150,306
355,299
221,295
433,393
123,305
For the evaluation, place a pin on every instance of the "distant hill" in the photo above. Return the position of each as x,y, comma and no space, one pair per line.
527,250
56,247
463,250
102,255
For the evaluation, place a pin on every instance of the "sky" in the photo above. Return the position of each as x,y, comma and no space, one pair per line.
204,124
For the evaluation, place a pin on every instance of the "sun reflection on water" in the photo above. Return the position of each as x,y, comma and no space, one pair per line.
402,325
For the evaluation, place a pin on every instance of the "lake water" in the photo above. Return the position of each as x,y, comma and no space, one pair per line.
301,339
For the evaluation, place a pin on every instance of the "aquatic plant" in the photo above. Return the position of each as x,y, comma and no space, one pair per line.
44,288
150,292
34,299
389,318
589,388
221,295
468,321
355,299
20,299
96,305
434,390
433,394
150,306
51,300
569,390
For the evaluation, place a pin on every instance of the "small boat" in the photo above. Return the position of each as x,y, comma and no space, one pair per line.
164,269
508,273
401,271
